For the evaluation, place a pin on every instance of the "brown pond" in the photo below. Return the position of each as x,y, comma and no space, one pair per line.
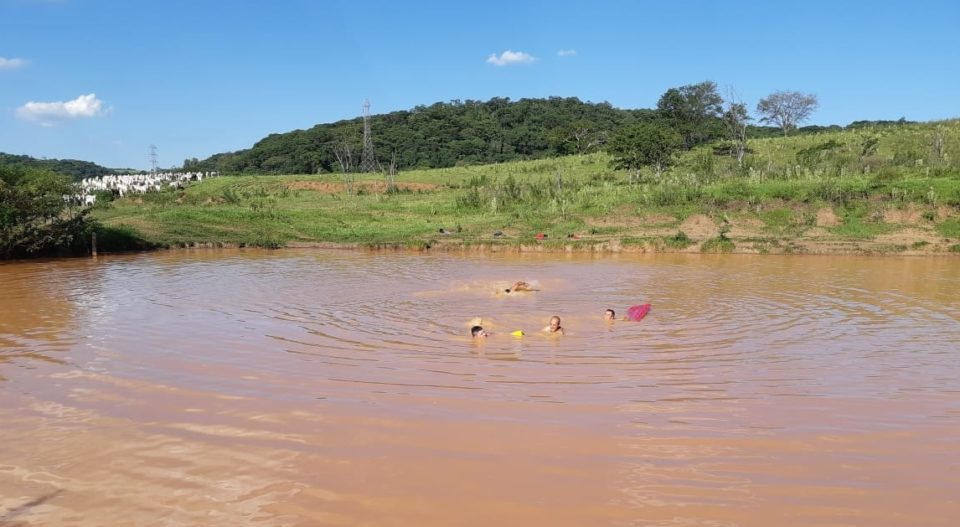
313,387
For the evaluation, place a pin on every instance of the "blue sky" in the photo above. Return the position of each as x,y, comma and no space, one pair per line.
102,80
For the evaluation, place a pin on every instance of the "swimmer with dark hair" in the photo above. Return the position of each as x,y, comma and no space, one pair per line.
520,286
478,332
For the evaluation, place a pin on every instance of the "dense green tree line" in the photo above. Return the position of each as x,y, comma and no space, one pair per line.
464,132
440,135
34,218
446,134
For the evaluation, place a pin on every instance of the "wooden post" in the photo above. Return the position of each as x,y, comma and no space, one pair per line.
93,244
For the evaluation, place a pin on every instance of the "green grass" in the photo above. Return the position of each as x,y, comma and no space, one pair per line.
680,240
637,241
720,244
855,229
783,221
782,184
860,223
121,237
949,228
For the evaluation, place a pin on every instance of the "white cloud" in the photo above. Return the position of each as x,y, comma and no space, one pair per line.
567,52
11,64
510,57
50,113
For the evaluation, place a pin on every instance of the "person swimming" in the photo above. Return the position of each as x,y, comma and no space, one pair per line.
478,332
554,326
520,286
609,315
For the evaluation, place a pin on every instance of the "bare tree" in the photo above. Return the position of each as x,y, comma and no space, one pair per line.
938,146
787,109
344,155
735,117
583,137
559,199
391,173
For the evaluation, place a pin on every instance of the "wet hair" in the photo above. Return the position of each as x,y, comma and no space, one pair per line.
475,330
507,290
612,312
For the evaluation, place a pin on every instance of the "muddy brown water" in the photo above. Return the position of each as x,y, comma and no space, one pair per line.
315,387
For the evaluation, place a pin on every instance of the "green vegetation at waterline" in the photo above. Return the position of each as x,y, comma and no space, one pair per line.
35,220
880,189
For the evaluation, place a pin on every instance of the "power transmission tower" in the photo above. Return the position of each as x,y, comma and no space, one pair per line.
368,161
153,159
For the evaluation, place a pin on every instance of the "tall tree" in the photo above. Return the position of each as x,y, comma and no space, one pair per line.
344,155
692,110
735,118
787,109
34,218
441,135
645,145
577,137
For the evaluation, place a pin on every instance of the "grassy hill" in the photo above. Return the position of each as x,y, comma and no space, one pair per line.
73,168
870,189
455,133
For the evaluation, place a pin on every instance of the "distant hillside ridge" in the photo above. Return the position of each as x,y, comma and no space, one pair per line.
73,168
455,133
444,134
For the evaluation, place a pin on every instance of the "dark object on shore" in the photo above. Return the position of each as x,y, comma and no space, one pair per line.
444,231
497,234
573,236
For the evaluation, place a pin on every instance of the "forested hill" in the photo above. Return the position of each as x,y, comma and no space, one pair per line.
439,135
468,132
77,170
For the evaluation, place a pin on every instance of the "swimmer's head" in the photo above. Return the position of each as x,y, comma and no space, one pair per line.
554,323
609,314
478,331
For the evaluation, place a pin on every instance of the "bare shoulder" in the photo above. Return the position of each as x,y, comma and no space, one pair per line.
522,286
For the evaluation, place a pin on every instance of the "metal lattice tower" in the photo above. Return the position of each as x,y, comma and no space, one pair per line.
153,158
368,162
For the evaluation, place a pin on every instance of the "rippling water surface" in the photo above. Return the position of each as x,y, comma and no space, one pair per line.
341,388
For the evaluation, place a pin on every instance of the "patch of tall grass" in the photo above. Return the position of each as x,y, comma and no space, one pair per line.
856,172
720,244
949,228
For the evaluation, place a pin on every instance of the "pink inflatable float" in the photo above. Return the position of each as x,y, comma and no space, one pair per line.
636,313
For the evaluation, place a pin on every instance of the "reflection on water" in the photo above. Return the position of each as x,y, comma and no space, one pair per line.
343,388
